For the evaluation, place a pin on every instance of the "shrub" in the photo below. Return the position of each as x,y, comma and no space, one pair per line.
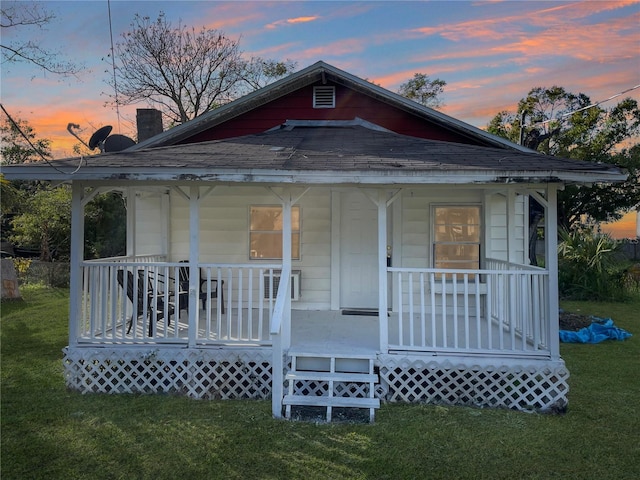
589,267
22,267
35,272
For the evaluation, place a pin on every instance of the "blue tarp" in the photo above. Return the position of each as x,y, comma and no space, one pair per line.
598,331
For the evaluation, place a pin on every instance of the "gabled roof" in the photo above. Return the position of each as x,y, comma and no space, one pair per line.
329,152
319,72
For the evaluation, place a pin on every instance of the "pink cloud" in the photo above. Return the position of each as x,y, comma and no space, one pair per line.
226,16
601,42
292,21
334,49
559,31
277,51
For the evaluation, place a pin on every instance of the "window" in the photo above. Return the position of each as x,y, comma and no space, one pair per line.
456,237
265,232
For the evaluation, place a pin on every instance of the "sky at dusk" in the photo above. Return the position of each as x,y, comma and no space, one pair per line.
490,53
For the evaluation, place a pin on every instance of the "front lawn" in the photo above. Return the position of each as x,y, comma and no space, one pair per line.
51,433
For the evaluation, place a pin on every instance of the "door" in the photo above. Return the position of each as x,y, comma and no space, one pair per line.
358,251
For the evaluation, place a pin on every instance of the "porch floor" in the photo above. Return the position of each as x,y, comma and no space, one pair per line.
311,331
333,332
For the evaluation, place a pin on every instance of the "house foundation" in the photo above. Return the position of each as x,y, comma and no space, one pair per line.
246,373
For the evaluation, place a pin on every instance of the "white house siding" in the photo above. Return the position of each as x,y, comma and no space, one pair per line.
497,243
151,222
315,257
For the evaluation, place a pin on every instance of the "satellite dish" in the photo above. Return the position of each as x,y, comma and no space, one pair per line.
99,137
117,143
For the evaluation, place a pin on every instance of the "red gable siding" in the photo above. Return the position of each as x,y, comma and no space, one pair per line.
349,104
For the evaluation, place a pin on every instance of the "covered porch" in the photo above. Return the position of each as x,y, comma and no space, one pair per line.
244,329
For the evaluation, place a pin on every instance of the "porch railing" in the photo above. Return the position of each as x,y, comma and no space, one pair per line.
498,310
142,300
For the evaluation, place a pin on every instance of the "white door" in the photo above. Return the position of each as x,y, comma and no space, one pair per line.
358,252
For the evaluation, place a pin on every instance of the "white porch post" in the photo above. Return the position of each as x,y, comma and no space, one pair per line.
511,225
77,256
131,221
383,318
551,260
286,265
282,338
194,271
165,205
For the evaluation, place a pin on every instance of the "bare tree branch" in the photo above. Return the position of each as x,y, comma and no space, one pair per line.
25,15
185,71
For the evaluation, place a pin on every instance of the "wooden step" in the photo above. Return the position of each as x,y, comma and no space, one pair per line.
332,362
331,369
336,376
319,354
322,401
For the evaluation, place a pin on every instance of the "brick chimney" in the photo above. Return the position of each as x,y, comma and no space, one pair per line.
149,123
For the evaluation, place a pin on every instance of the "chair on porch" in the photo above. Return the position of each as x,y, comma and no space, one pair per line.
160,309
183,272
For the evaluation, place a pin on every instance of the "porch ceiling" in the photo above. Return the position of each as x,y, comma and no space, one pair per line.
345,152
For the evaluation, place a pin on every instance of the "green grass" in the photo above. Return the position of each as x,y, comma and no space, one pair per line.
51,433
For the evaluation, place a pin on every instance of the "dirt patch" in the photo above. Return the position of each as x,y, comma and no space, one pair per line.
573,321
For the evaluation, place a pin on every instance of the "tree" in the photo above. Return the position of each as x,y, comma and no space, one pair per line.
185,71
105,227
20,143
46,223
28,15
423,90
560,123
258,72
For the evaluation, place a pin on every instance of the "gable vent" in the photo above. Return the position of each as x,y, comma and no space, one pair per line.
324,97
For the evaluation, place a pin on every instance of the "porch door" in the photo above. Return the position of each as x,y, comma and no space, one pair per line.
358,252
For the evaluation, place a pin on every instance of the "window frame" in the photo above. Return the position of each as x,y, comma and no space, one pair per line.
275,232
479,243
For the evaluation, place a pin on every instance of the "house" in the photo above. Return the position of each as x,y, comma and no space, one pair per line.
325,243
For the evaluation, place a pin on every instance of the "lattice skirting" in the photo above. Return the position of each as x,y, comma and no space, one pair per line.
539,387
246,373
197,373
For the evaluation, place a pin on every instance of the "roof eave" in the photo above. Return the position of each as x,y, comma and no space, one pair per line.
315,176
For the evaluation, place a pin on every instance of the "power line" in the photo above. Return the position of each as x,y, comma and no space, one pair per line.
587,107
113,67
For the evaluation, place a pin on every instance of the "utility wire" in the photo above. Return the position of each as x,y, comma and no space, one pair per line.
586,108
113,67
